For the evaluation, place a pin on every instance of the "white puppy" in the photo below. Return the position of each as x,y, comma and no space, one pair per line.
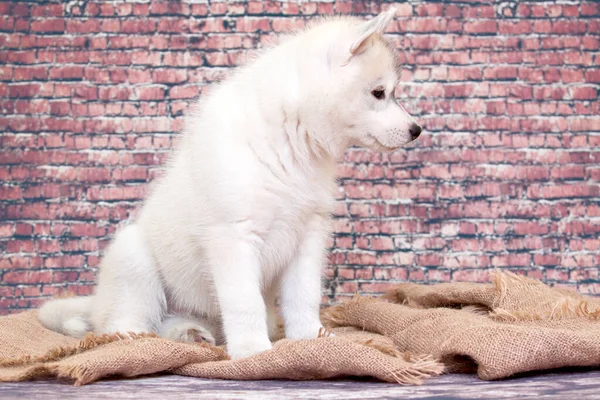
241,216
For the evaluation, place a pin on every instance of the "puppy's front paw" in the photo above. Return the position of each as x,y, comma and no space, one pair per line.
190,332
247,348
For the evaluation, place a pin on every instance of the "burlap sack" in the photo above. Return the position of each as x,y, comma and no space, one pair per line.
509,297
29,351
319,359
529,326
510,326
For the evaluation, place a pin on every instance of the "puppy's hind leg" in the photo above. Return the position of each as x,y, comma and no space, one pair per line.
273,322
183,329
129,296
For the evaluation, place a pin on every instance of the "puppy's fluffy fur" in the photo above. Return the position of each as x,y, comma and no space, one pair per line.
241,216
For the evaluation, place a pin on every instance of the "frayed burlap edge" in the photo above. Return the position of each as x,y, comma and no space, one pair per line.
570,305
78,374
89,342
424,366
46,365
562,304
421,368
388,350
335,316
392,296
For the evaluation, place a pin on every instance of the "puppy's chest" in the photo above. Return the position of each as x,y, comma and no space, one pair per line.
281,244
289,221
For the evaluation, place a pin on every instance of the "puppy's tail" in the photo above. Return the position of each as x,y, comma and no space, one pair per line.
69,316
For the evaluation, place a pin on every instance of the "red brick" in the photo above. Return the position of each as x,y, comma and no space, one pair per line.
21,73
489,26
86,26
522,27
569,27
138,26
66,73
184,92
149,93
501,73
169,76
589,9
49,25
584,93
23,90
25,277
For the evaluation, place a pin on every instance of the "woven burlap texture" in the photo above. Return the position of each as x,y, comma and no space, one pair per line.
512,325
30,351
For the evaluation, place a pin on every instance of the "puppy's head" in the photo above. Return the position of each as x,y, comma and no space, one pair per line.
364,75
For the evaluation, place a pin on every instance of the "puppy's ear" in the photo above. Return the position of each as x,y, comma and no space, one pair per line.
369,28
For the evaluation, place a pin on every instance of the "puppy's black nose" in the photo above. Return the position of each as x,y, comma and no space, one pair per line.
415,130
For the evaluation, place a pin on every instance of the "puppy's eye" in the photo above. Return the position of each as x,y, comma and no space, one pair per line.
379,94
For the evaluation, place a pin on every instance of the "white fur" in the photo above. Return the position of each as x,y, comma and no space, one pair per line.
242,213
187,329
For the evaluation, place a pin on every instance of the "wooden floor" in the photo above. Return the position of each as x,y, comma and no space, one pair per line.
564,385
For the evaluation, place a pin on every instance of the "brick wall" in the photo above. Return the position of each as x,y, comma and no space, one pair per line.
506,174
